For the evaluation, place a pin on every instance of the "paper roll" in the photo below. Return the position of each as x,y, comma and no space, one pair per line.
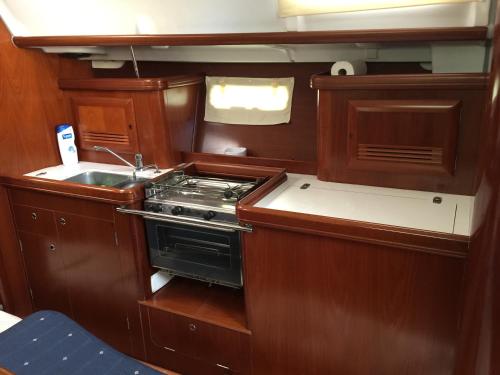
348,68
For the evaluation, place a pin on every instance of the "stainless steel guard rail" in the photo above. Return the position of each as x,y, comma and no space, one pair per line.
227,227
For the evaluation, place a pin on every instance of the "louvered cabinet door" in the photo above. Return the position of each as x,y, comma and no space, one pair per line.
105,121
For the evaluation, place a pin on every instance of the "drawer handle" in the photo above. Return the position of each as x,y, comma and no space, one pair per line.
62,221
34,215
169,349
192,327
52,247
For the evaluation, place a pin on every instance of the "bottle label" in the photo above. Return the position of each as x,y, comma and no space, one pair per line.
67,136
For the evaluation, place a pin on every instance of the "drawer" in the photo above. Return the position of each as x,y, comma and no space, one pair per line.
182,363
34,220
209,343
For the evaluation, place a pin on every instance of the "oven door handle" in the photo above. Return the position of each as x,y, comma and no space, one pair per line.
226,227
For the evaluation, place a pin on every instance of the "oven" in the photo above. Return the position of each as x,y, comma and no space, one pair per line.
212,255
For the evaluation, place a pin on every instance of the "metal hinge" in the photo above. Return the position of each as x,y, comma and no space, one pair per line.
128,324
21,246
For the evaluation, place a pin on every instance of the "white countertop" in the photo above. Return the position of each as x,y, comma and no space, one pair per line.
61,172
397,207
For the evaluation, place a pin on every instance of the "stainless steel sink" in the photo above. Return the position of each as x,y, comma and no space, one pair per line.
105,179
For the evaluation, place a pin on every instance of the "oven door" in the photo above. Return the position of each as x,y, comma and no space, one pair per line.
201,253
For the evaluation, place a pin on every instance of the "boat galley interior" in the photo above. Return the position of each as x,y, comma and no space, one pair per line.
255,187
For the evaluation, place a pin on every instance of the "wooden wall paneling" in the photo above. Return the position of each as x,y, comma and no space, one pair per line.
30,107
479,343
386,106
325,306
293,141
15,295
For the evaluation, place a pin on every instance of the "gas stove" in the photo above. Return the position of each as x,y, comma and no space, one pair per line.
191,224
204,197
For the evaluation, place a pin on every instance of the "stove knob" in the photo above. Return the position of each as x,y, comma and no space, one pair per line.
177,210
209,215
228,194
154,207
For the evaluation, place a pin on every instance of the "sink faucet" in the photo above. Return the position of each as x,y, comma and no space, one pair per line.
139,166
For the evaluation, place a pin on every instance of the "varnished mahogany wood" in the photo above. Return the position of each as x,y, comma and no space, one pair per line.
108,122
15,296
294,142
463,81
480,329
338,96
200,321
80,259
341,36
404,136
292,166
131,115
30,105
129,84
81,191
321,305
217,305
390,236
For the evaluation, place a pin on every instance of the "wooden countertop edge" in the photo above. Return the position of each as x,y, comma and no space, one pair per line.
68,189
412,239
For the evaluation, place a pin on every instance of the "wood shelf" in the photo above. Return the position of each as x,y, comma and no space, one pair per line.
291,37
214,304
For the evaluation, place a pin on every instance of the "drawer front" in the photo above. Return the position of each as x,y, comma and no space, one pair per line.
219,346
34,220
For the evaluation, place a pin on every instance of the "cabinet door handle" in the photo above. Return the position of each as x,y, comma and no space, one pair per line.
52,247
34,215
62,221
192,327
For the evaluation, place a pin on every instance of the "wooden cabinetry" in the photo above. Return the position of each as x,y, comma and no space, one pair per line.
154,116
192,328
318,304
76,265
416,131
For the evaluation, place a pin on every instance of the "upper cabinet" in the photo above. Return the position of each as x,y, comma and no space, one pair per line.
130,115
412,131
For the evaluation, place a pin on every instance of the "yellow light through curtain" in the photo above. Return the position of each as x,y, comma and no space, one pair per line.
288,8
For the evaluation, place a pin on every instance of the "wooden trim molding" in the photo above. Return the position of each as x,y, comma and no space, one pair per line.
462,81
129,84
403,238
292,166
289,37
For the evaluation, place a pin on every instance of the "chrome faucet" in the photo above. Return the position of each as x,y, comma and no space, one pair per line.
138,167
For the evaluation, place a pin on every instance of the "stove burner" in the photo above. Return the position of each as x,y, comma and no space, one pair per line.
207,197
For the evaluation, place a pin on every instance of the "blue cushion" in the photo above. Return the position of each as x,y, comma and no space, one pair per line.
48,342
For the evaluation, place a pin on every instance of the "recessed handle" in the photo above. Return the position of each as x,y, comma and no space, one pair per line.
62,221
192,327
52,247
34,215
